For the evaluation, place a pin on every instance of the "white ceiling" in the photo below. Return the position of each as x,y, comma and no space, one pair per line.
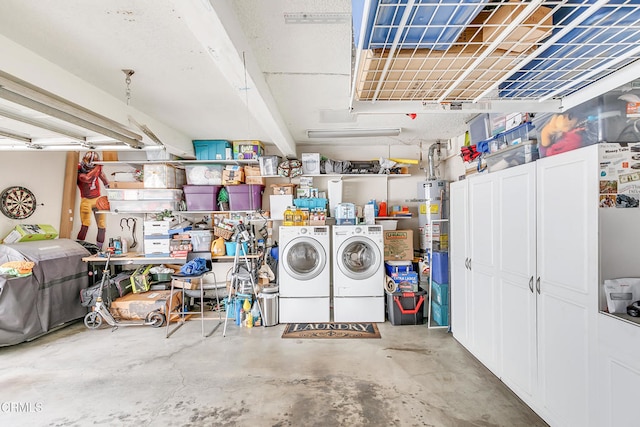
223,69
299,73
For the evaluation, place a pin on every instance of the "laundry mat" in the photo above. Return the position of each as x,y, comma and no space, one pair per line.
331,330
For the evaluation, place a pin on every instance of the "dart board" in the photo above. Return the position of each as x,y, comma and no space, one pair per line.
18,202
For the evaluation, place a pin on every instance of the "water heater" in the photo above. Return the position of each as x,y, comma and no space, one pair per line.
433,196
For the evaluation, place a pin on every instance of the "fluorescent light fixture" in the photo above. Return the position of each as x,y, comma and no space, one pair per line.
75,147
27,95
352,133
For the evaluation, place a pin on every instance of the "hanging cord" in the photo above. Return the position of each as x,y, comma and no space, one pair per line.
128,73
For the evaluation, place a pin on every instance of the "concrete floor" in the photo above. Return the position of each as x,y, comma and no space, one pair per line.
412,376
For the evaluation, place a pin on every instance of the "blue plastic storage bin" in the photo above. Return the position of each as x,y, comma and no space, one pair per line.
215,149
311,203
440,267
440,313
440,293
431,25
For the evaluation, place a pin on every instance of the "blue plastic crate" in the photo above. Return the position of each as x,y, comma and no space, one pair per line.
398,267
215,149
311,203
440,267
440,293
440,313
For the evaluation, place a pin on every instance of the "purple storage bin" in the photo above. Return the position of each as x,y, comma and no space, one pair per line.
201,197
245,197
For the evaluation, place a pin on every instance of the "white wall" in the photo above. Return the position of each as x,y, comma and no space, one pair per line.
41,173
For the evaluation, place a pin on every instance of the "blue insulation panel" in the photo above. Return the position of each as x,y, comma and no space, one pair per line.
432,24
610,32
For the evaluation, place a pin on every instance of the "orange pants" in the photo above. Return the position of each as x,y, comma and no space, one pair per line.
87,208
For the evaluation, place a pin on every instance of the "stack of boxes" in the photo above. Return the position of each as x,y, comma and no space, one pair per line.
440,288
245,185
405,306
157,242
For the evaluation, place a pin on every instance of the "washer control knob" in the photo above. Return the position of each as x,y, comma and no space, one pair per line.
303,231
358,230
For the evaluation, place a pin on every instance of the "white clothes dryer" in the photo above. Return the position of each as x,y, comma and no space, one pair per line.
304,274
358,273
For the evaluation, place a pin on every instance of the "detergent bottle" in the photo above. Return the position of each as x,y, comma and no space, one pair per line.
382,208
288,217
297,217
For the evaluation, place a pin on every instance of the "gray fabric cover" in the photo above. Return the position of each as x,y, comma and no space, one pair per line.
34,305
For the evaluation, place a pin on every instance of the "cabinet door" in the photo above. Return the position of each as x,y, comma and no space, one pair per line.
482,252
567,263
516,204
458,250
618,371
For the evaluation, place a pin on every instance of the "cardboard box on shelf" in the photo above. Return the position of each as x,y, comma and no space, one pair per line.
282,189
398,245
252,170
138,306
230,177
125,185
29,232
258,180
247,150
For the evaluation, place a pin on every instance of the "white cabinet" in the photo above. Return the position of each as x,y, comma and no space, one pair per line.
516,206
567,270
459,264
618,371
483,297
530,281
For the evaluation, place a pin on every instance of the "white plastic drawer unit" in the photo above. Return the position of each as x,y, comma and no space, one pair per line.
156,228
156,246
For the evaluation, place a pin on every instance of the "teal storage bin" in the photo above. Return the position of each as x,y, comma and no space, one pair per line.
311,203
440,293
440,313
215,149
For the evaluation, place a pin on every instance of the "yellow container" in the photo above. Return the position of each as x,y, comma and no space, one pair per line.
288,217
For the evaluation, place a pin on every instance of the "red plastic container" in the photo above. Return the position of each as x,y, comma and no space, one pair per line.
245,197
201,197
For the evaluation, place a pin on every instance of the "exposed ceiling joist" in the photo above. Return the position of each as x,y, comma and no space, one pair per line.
216,27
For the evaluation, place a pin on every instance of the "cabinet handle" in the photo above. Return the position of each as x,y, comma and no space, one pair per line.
469,263
466,263
538,285
531,284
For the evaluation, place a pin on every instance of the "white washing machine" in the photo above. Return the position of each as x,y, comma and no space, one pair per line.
358,273
304,274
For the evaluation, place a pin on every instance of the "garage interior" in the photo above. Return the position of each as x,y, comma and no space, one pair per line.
141,80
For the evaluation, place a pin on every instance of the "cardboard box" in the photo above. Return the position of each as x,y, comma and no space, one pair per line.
252,171
282,189
187,283
247,150
231,177
398,245
138,306
257,180
126,185
29,232
525,36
